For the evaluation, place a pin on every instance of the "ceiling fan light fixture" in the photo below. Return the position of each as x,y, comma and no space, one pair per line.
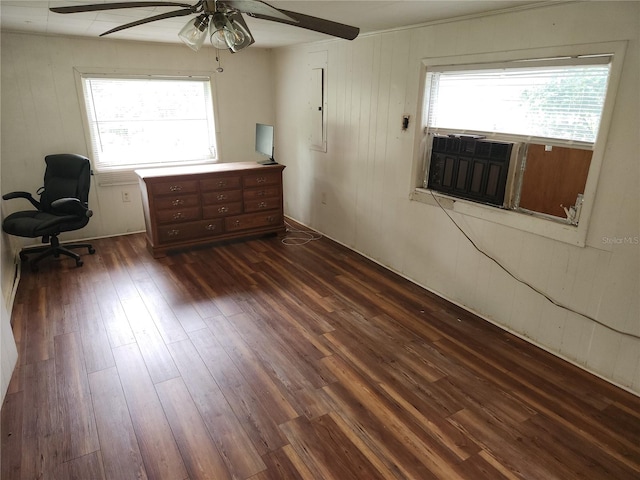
240,38
233,37
225,33
194,32
216,31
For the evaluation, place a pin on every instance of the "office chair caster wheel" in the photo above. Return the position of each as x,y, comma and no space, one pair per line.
92,250
79,263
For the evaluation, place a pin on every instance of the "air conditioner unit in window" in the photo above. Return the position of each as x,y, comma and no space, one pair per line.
474,168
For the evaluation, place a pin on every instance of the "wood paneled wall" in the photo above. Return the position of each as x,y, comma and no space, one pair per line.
358,191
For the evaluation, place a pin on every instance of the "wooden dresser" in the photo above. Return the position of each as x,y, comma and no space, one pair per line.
189,206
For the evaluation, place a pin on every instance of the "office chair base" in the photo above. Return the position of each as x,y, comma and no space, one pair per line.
55,249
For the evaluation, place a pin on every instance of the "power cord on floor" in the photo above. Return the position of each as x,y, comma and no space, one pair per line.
299,237
524,282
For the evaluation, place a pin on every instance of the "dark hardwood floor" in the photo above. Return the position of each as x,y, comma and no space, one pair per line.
257,360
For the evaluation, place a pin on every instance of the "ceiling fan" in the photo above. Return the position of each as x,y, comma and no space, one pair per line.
221,20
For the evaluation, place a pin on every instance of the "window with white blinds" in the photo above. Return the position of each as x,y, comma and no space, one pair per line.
551,106
139,122
560,100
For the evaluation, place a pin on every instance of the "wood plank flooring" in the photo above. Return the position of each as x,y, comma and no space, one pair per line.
257,360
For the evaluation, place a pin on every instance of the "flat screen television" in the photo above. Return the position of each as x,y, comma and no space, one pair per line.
264,143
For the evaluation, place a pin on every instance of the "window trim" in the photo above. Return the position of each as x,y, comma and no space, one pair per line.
126,175
575,235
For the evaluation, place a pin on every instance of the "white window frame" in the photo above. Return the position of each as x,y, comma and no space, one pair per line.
538,224
126,174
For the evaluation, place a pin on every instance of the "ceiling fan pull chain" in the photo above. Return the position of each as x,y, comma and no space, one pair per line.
219,69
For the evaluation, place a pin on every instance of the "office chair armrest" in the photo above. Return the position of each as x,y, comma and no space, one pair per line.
71,206
25,195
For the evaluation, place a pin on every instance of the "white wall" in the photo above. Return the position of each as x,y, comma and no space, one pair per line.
41,115
40,99
366,177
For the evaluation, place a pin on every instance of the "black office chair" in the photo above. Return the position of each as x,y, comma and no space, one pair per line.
63,207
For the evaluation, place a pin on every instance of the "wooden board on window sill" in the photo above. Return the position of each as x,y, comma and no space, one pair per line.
553,178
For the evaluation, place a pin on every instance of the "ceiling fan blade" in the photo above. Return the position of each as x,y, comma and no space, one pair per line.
113,6
256,7
162,16
316,24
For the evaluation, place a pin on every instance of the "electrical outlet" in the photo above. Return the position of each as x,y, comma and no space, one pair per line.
125,197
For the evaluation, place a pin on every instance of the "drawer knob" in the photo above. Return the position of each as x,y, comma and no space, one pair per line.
222,183
178,215
271,219
222,196
261,193
262,204
236,223
261,179
175,188
211,227
223,209
173,233
177,202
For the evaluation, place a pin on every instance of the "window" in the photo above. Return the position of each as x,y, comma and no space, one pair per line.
530,105
560,102
147,121
521,131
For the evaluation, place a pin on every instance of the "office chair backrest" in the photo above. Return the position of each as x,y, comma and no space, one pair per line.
67,175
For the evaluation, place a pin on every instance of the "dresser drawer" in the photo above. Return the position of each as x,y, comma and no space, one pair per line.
189,231
255,220
259,179
226,196
255,193
260,204
219,183
178,215
221,210
174,187
176,202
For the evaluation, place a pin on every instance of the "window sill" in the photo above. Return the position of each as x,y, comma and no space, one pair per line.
571,234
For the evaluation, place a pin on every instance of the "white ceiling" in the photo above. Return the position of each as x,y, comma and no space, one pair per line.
369,15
